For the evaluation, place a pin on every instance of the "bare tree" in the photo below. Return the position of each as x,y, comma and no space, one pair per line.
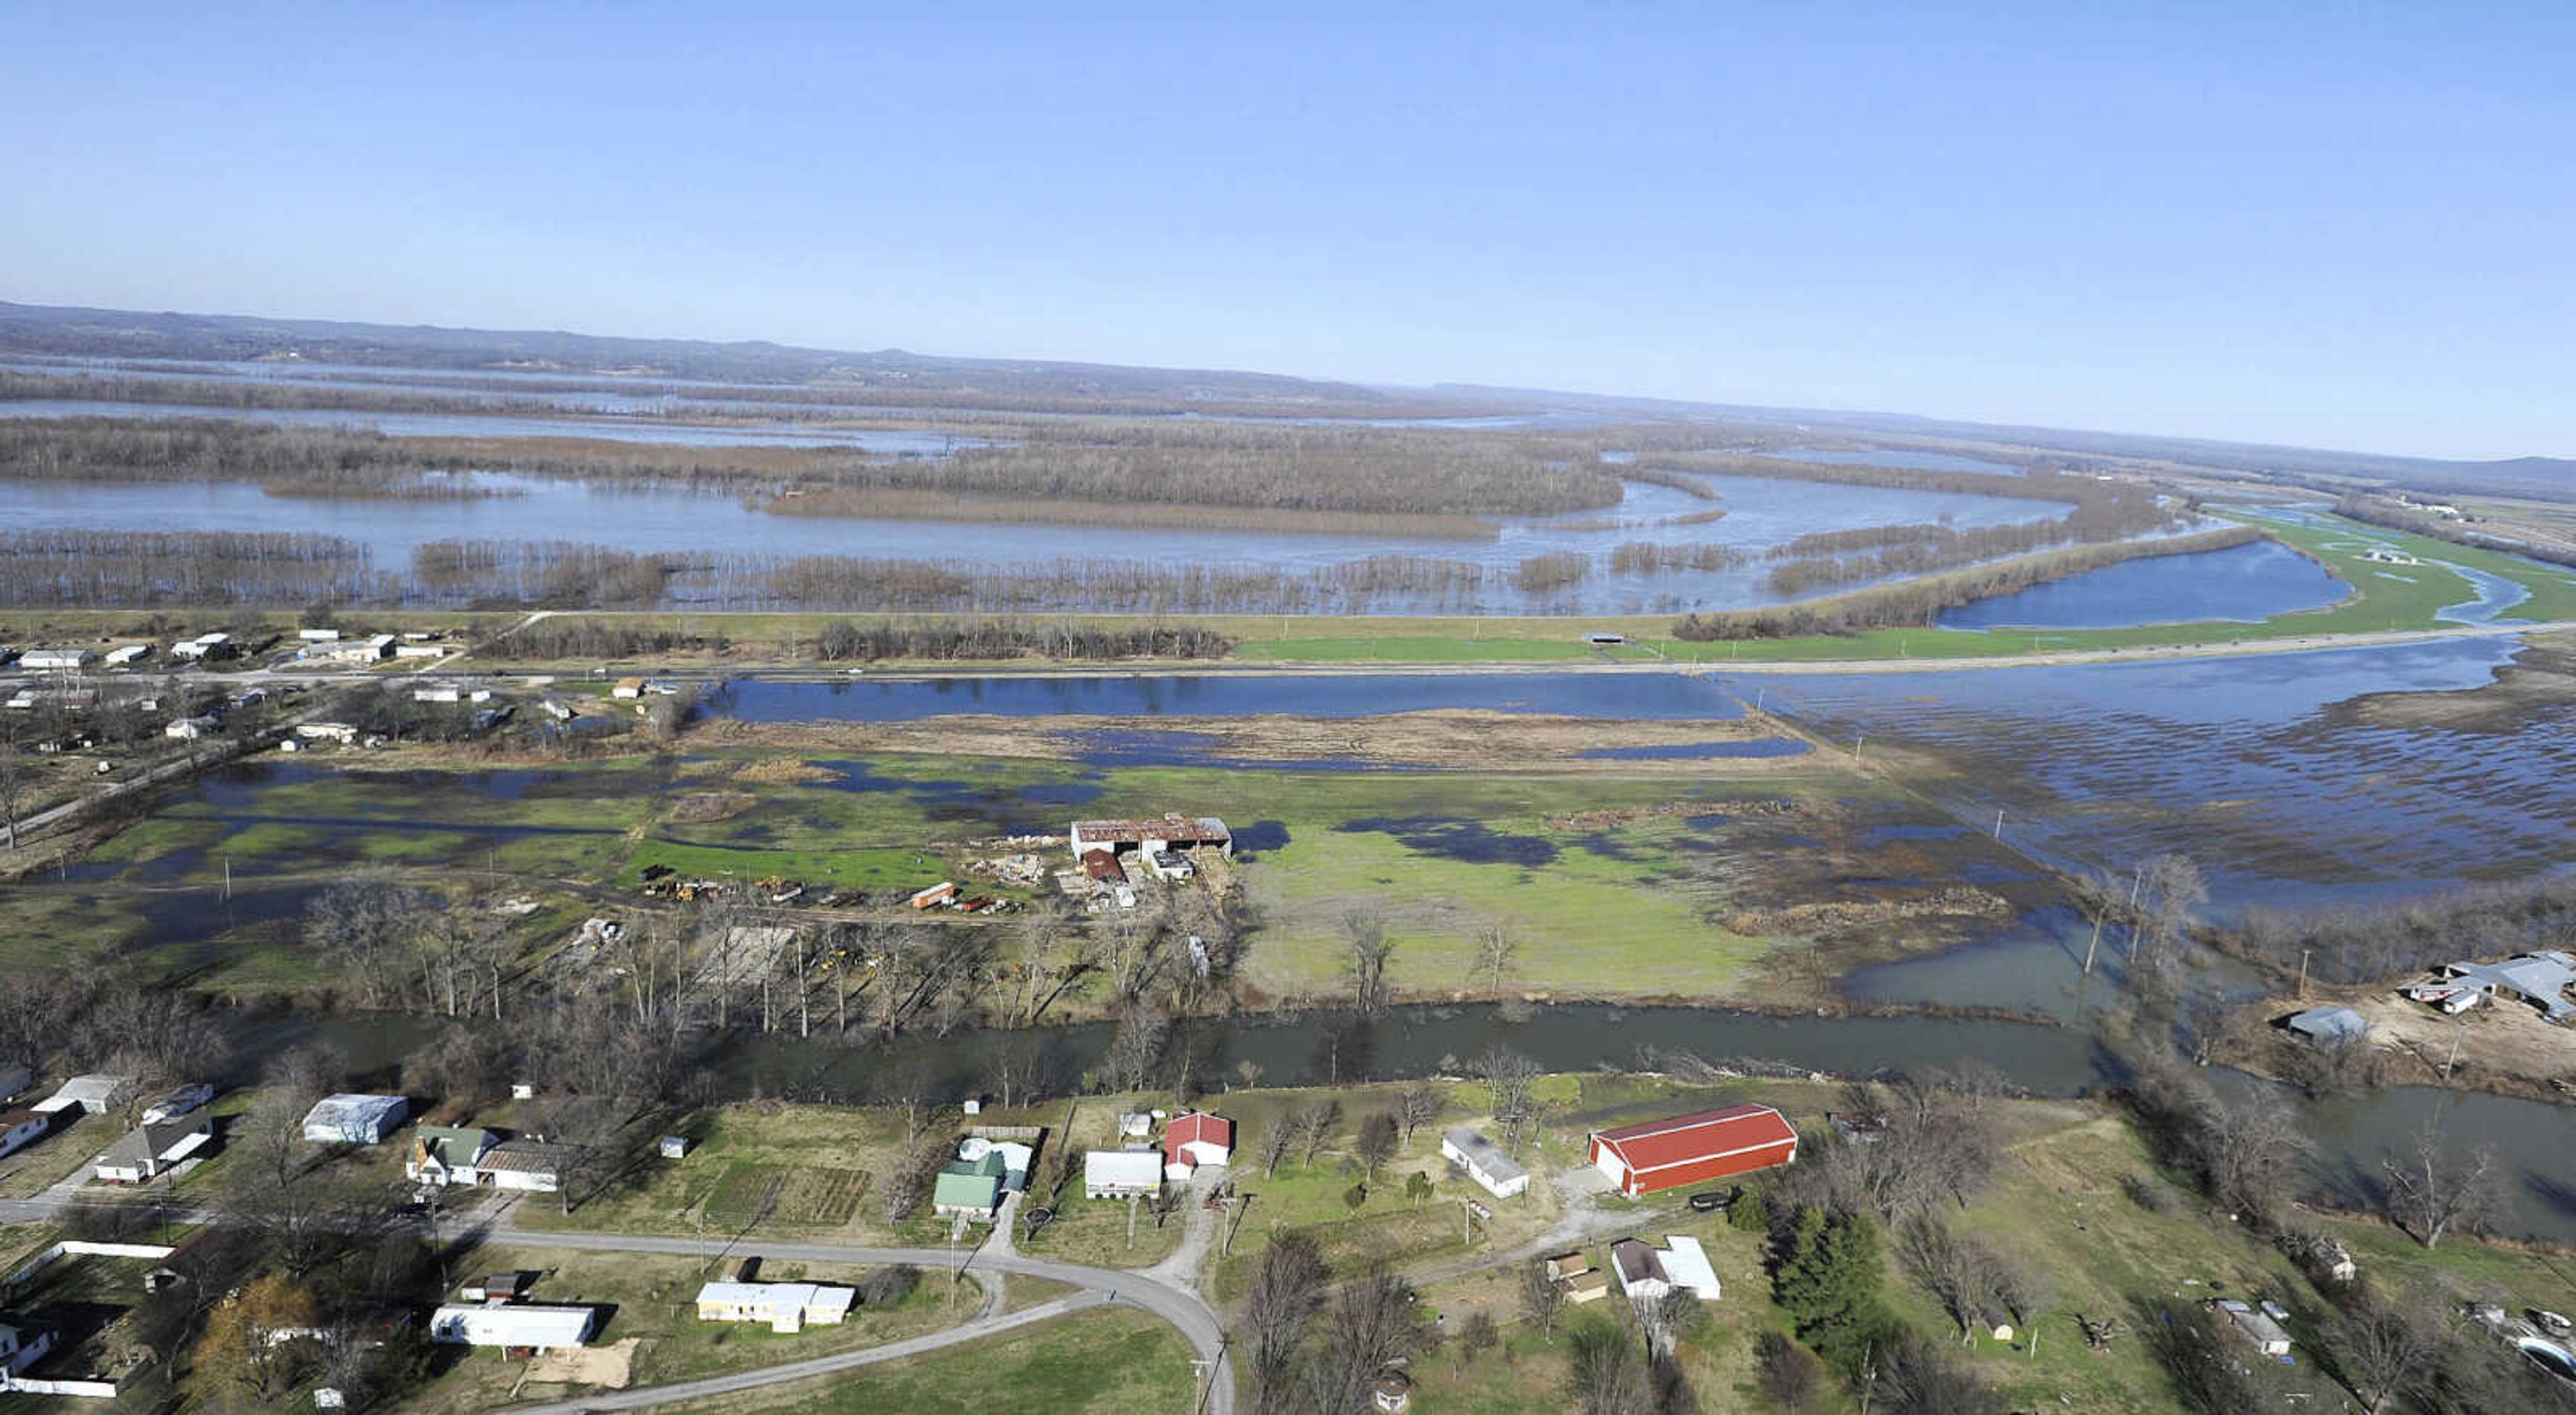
1541,1299
1416,1107
1377,1141
1317,1125
2170,888
1287,1291
1369,1326
1364,929
1512,1080
2382,1347
1668,1319
1278,1140
1605,1376
2435,1189
1495,947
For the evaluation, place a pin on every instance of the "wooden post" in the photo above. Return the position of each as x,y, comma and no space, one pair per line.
1239,1203
1999,822
2096,942
2303,973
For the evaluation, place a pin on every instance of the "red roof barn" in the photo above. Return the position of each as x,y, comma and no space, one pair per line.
1195,1139
1666,1154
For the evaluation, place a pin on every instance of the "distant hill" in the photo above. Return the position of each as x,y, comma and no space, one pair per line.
126,334
66,331
2542,476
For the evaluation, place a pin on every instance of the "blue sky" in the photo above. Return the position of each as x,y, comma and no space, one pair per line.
2344,225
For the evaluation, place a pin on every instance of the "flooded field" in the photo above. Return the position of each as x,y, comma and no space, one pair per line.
2242,584
2245,763
1761,513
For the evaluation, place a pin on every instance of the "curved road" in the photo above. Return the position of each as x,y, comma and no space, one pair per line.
1182,1309
710,1387
1196,1322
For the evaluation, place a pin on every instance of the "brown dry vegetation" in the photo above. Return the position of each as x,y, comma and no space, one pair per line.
1458,739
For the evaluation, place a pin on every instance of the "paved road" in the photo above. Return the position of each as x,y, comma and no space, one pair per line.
646,1397
1191,1317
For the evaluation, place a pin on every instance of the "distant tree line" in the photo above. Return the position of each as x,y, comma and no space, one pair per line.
841,640
1919,603
1219,465
2397,516
76,568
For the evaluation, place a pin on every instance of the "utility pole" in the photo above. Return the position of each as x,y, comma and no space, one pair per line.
2095,943
2303,973
1999,822
1241,1201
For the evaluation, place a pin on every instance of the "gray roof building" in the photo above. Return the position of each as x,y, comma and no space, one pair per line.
2329,1024
2540,978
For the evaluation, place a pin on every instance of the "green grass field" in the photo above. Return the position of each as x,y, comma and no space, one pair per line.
1108,1361
1445,854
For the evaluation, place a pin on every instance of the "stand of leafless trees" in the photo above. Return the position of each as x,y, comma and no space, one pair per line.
87,569
2394,939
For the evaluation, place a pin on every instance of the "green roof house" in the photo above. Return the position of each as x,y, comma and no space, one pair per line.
972,1188
448,1154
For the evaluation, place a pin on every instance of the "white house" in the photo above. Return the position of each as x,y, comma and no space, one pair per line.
340,732
94,1095
1686,1266
1485,1163
178,1101
154,1149
55,660
318,636
189,729
1122,1174
125,654
784,1306
518,1326
2265,1333
202,646
1640,1270
21,1128
349,1119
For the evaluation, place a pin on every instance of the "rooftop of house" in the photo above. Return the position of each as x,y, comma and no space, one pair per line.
1484,1154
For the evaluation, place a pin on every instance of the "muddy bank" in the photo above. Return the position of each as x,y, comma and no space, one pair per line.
1449,739
2539,684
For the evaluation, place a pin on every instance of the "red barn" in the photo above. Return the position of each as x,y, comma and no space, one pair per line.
1687,1149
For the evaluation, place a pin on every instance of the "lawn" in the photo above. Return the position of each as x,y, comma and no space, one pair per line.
653,1300
1103,1361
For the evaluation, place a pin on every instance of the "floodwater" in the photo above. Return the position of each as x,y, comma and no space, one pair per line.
1761,513
1900,459
2243,584
2243,763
